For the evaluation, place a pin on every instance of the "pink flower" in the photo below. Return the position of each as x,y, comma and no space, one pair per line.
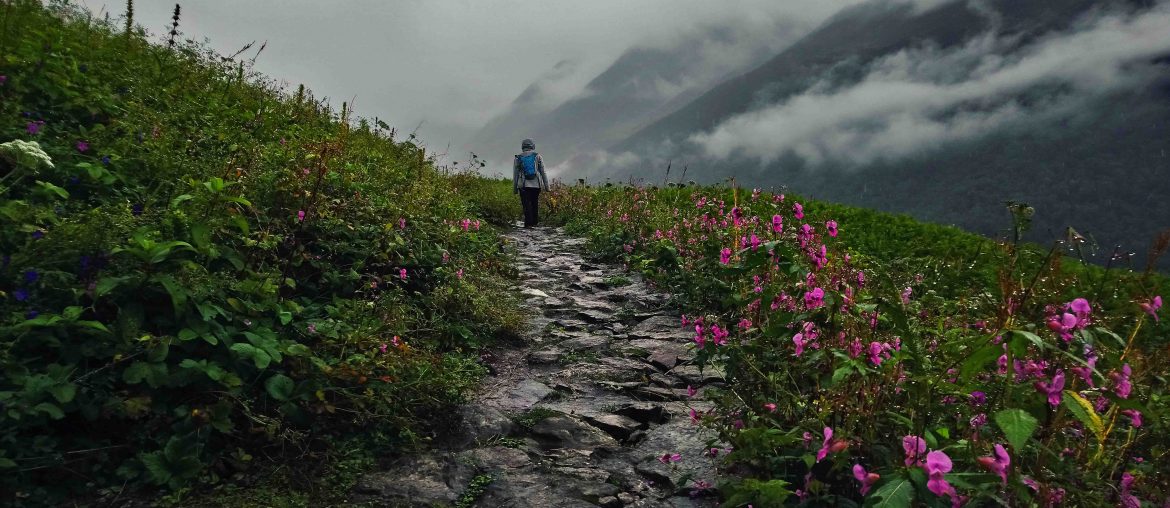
459,274
777,223
875,353
798,210
718,335
754,242
1122,386
906,296
1152,307
667,458
867,479
938,464
691,391
395,341
402,273
300,215
1053,389
771,407
696,417
382,348
915,448
798,339
1135,417
725,255
815,298
1081,308
824,451
402,223
1127,499
997,464
832,227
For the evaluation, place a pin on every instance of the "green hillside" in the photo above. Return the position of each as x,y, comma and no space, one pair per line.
206,277
856,331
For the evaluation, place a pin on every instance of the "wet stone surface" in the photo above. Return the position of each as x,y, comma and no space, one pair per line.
584,412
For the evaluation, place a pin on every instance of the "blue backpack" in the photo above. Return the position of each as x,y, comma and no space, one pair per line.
528,165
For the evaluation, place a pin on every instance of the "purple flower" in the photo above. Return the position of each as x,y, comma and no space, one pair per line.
725,255
824,451
915,448
832,227
777,223
1122,386
1053,389
938,464
1152,307
3,79
106,160
20,295
1135,417
31,276
82,146
815,298
978,398
667,458
136,209
867,479
38,234
35,126
300,215
32,314
1128,500
997,464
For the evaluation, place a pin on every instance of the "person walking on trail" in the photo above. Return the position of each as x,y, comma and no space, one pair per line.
528,180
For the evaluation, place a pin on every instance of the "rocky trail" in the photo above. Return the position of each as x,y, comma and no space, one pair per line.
583,413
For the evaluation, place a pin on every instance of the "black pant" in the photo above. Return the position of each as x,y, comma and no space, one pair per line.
529,199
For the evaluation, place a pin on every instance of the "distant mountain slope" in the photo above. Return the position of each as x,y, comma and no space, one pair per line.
642,85
840,49
1096,161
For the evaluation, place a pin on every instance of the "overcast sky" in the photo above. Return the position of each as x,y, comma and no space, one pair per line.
452,64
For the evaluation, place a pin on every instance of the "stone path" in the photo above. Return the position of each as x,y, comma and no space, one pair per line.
581,415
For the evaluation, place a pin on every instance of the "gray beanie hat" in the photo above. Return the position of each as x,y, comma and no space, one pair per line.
528,144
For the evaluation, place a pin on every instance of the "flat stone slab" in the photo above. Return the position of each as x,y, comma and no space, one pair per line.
529,392
566,432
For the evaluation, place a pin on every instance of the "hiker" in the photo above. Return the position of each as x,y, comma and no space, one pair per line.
528,179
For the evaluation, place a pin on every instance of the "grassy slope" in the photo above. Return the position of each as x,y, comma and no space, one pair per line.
205,288
966,292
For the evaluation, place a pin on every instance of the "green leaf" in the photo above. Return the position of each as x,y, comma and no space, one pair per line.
257,355
188,334
180,199
107,284
285,317
177,292
6,463
280,387
53,189
1017,425
64,393
50,409
896,493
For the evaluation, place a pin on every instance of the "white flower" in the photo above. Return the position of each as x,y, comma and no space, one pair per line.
27,154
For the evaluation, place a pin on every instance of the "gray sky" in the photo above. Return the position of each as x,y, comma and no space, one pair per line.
452,64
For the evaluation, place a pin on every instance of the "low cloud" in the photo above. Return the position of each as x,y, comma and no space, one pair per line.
918,99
